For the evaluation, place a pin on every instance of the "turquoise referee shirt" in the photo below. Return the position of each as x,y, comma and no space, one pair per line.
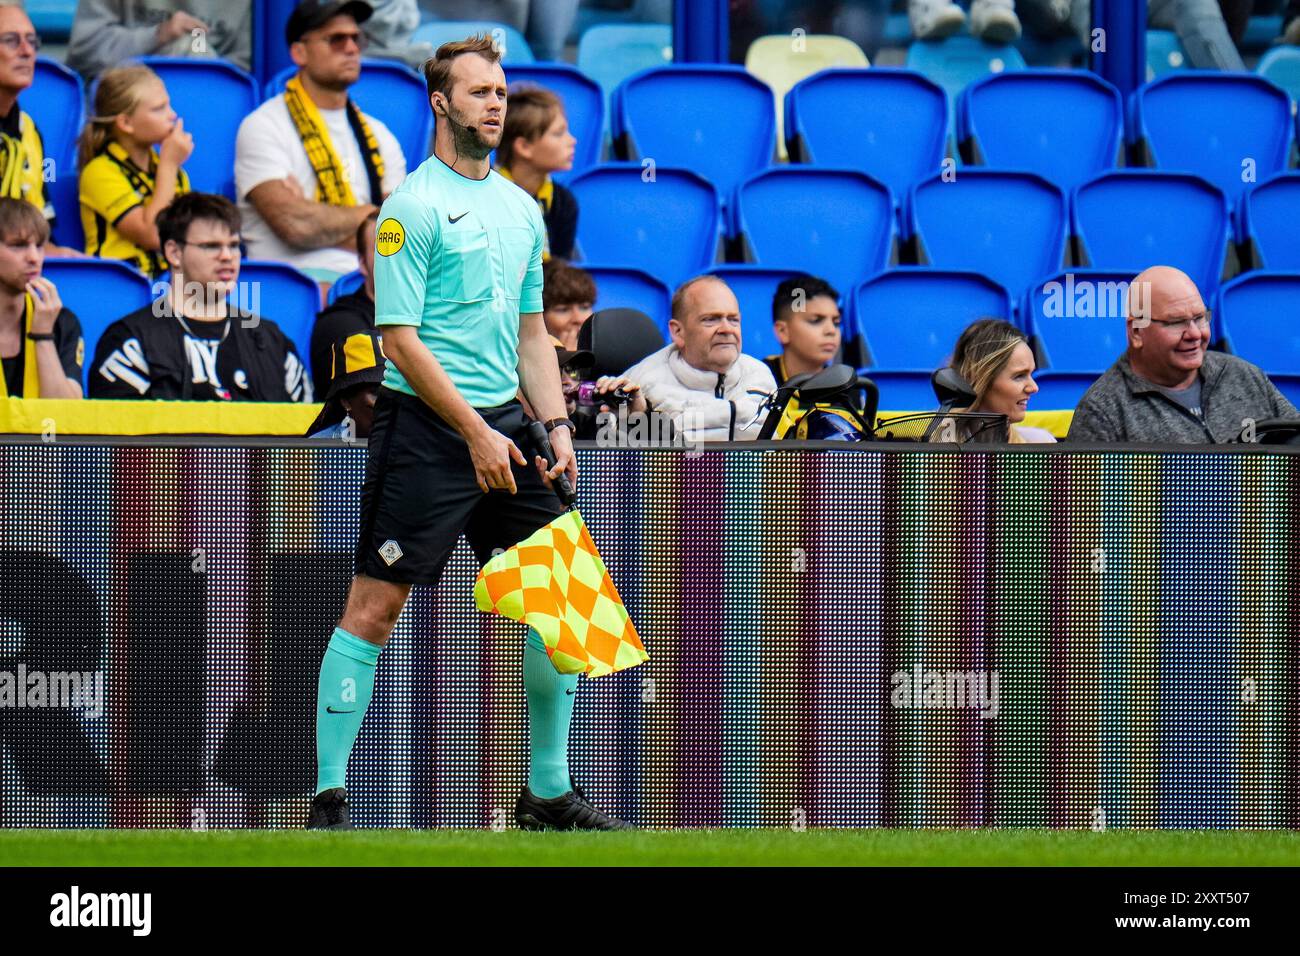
460,259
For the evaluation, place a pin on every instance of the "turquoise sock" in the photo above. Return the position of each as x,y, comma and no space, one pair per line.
550,708
347,680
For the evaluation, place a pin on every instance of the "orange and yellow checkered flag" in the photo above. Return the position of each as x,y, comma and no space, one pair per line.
555,581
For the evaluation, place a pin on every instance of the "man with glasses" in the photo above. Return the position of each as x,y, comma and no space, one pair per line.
1167,387
709,388
22,155
309,165
192,343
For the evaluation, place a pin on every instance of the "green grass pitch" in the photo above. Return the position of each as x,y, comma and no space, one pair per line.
649,848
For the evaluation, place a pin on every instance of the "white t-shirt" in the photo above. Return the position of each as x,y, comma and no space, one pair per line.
268,147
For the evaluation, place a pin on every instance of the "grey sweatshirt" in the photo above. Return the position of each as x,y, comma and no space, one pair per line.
1122,407
108,32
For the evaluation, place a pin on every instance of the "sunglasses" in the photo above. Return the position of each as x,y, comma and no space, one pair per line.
339,41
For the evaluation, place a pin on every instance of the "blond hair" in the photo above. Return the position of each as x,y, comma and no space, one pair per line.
982,351
119,92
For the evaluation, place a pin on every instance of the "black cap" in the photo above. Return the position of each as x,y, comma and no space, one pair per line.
357,359
580,358
311,14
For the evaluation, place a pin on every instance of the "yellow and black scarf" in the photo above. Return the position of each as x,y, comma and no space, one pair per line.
332,185
21,161
31,378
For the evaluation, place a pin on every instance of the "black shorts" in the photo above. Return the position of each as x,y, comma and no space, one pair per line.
420,492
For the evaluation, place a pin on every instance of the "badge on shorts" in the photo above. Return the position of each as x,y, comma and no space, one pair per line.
390,237
390,552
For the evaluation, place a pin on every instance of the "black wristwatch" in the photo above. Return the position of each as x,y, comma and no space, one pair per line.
41,336
555,423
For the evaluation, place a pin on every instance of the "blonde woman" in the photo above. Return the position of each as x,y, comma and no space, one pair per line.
995,359
130,154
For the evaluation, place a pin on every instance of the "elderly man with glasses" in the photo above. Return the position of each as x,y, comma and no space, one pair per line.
1167,387
310,166
23,172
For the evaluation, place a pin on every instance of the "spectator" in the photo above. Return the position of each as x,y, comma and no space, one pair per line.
357,368
309,165
41,347
1201,30
348,314
188,344
702,381
585,415
124,182
22,155
1166,387
545,24
106,33
568,294
995,359
994,21
535,143
806,318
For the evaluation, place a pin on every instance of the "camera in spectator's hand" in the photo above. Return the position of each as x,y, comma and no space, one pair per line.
589,397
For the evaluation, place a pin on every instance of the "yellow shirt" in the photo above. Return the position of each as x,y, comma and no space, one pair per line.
111,186
22,161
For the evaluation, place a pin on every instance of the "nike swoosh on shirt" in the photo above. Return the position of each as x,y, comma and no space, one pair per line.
455,219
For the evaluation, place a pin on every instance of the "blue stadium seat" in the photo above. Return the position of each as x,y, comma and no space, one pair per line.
717,121
56,102
609,53
1065,125
584,106
619,287
887,123
1270,220
52,18
958,61
1077,322
669,226
1213,124
1260,315
392,93
1131,219
345,285
910,319
1009,226
99,292
1281,66
1165,54
279,292
514,48
212,97
754,287
836,224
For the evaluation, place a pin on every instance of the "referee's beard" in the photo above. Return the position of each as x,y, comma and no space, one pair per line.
468,142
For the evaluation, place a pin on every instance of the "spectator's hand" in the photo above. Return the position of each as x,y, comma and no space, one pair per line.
492,453
178,145
46,304
607,383
179,24
565,460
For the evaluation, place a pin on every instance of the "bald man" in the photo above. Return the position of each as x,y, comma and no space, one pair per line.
1167,388
702,380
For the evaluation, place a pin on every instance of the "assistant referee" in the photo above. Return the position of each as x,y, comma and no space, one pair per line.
458,298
